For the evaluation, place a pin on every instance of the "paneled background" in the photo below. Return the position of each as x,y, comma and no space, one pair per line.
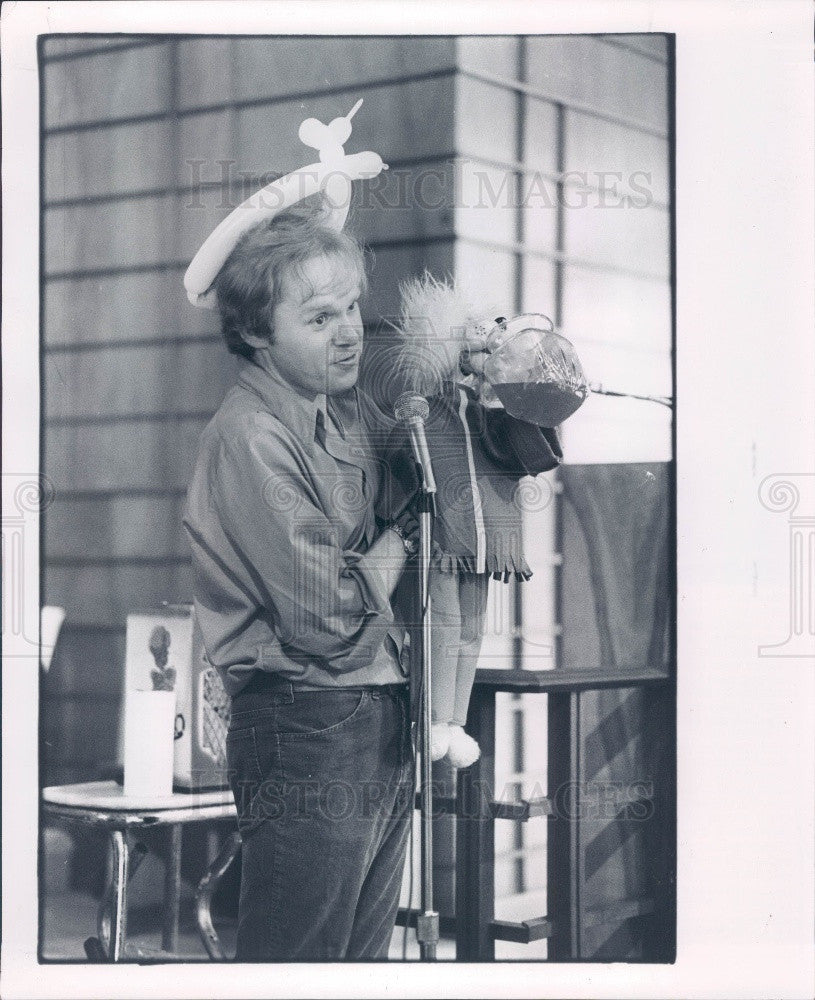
537,168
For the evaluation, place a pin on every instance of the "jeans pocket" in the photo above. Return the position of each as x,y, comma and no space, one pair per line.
315,714
243,771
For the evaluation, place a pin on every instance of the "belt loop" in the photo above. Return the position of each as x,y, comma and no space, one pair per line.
283,692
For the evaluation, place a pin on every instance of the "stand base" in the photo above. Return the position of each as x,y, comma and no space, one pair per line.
427,934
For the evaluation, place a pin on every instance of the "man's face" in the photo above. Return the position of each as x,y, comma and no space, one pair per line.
317,330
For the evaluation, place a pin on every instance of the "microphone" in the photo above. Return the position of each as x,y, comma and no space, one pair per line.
412,410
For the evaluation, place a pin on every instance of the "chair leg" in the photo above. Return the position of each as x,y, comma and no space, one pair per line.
205,892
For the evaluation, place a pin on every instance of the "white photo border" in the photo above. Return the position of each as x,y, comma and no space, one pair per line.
746,391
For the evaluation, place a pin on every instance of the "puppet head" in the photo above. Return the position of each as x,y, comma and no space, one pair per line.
437,321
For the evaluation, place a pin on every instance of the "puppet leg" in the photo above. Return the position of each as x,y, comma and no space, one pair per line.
445,645
473,589
463,749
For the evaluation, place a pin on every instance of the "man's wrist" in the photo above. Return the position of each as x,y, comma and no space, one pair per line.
408,543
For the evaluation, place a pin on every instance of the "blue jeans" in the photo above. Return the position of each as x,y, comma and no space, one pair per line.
324,783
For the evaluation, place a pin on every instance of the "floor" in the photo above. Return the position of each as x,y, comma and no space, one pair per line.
69,916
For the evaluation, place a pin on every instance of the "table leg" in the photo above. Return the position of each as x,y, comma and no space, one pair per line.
213,845
172,890
118,839
205,891
98,948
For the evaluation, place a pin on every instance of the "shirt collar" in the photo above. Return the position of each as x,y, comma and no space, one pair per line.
303,416
293,410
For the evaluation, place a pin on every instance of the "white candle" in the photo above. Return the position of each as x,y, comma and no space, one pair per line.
148,743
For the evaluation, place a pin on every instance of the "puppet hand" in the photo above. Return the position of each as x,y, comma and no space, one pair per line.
473,355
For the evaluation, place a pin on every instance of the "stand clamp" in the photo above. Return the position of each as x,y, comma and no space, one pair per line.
427,934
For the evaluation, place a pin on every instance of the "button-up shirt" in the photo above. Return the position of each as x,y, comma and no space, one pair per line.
281,513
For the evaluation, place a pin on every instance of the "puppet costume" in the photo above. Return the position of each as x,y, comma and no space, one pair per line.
479,453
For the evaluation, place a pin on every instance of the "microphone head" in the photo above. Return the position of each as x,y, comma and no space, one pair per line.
411,406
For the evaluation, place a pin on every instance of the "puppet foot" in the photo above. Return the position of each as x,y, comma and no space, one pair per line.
439,740
463,749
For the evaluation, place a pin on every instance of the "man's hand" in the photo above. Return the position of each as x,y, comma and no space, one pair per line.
407,527
389,552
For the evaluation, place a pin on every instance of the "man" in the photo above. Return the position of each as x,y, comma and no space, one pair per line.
293,579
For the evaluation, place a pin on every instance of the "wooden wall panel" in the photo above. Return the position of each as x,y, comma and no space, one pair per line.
74,46
122,455
285,65
636,239
486,203
111,308
655,46
488,53
609,78
104,596
108,85
206,71
391,265
540,140
115,527
492,271
207,151
181,378
485,123
418,116
539,291
111,235
411,203
408,203
594,146
633,314
108,161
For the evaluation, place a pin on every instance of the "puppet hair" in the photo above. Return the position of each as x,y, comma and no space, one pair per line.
436,320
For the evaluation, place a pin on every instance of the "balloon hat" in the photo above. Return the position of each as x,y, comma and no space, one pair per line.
332,175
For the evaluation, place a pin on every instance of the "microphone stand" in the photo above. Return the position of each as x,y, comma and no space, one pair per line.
427,923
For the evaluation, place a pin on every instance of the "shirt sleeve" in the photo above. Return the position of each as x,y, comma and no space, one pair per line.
324,601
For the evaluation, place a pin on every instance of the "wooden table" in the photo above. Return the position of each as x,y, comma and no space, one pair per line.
103,805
